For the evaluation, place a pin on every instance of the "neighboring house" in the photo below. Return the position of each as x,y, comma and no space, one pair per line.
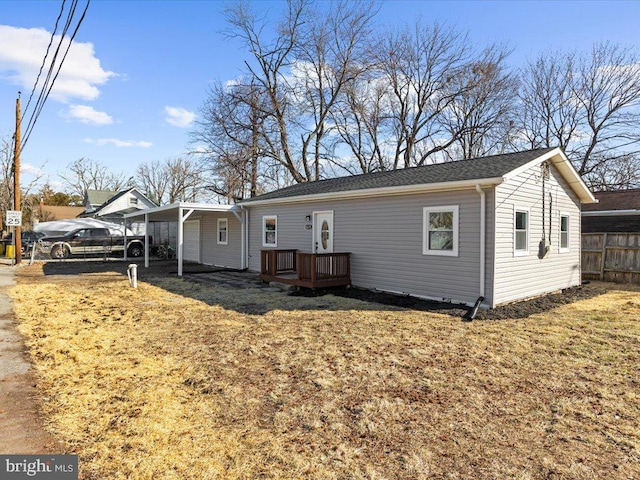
504,227
617,211
610,237
93,199
48,213
112,206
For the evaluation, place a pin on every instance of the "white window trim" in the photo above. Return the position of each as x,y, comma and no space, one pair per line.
264,231
525,252
425,230
568,247
226,222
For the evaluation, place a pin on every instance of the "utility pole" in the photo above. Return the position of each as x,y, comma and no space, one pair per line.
17,240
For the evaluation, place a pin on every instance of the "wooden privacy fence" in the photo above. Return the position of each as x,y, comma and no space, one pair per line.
612,257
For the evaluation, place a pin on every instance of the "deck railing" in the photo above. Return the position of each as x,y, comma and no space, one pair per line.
311,270
324,269
273,262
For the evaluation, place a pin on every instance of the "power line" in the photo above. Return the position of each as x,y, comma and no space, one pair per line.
51,66
44,60
44,93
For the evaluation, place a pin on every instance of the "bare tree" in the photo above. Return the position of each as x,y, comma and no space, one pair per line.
588,105
302,72
361,120
86,174
481,118
420,66
172,180
230,137
6,178
551,113
618,173
7,186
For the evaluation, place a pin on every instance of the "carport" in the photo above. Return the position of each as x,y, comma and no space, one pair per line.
235,243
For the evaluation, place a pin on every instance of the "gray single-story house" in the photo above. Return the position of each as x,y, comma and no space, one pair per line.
502,227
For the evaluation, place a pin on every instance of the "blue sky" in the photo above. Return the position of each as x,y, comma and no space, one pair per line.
132,85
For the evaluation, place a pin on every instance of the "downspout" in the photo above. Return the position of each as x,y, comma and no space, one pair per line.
483,228
180,240
146,240
483,231
246,238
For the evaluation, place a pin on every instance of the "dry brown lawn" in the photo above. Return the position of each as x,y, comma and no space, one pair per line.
173,381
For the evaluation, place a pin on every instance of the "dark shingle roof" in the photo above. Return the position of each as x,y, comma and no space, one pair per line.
98,197
615,200
473,169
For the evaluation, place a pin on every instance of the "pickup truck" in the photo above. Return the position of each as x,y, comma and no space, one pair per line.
90,241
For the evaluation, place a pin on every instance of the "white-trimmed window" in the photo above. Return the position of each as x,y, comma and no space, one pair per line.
270,231
564,232
521,231
440,231
223,231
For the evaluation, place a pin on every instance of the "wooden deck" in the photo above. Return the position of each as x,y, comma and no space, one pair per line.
310,270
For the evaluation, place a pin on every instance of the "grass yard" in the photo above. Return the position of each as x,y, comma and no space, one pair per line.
173,380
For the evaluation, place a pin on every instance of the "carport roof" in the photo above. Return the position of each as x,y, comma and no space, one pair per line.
170,213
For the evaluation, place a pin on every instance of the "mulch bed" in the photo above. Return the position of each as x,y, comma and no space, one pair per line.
522,309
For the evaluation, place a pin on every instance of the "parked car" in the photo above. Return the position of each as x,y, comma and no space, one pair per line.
27,239
90,241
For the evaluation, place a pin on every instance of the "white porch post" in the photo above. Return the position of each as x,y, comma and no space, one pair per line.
242,218
180,240
146,240
125,239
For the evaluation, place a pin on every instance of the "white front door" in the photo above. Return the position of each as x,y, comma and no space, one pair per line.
323,232
191,241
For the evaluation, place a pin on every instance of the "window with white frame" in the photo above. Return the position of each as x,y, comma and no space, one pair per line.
521,231
270,231
223,234
440,231
564,233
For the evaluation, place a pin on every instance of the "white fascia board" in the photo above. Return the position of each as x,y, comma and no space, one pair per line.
381,192
566,169
610,213
201,207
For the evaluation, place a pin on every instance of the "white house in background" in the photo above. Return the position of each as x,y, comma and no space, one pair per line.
503,227
112,206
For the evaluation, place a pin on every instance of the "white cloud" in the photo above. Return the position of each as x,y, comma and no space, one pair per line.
21,54
119,143
31,169
179,117
87,114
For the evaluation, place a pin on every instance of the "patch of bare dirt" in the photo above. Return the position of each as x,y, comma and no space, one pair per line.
515,310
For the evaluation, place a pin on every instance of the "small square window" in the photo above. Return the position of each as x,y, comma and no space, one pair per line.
269,231
440,231
223,233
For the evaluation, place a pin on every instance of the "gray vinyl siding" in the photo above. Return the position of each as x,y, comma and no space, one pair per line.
212,253
519,277
384,236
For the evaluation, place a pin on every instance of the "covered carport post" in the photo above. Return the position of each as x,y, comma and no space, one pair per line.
146,238
182,217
